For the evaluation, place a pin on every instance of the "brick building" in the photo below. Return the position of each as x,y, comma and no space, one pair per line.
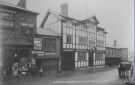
17,27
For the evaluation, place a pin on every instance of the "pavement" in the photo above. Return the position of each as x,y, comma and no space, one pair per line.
65,73
97,76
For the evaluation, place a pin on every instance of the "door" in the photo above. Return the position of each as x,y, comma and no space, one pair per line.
90,59
68,61
51,65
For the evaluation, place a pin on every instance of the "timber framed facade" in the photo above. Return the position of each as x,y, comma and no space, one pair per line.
78,40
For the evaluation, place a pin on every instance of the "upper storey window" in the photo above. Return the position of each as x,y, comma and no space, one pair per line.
6,19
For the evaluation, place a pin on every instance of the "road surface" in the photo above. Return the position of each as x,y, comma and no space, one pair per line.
107,77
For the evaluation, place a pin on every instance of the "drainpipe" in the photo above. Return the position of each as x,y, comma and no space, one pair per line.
61,50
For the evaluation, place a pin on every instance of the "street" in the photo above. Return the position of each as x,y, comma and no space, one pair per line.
106,77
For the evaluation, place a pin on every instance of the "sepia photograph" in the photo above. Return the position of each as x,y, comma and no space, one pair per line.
67,42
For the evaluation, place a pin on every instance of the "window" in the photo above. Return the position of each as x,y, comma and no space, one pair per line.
69,39
49,44
81,56
69,24
91,42
7,19
100,43
83,40
26,32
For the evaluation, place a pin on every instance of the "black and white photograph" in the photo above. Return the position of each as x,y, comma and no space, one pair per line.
67,42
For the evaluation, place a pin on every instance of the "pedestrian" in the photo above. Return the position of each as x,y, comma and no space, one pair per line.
40,70
131,71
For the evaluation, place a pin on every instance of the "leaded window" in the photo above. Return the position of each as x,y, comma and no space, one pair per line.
81,56
69,39
49,44
83,40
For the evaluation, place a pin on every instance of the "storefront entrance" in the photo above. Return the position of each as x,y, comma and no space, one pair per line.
15,60
91,59
68,63
49,65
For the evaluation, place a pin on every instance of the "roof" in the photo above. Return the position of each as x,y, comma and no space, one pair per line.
100,28
63,17
112,46
13,6
46,31
91,19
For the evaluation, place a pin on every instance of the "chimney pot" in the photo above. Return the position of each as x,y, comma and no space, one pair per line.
22,3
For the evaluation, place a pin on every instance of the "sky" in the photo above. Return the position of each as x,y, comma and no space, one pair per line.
116,16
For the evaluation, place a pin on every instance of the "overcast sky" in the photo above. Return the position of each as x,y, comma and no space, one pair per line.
116,16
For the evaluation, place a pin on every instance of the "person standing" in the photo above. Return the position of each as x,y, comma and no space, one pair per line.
131,70
41,70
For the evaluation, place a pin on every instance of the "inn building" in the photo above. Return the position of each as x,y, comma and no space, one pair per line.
82,41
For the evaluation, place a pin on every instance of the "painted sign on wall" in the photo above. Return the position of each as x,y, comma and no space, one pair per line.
37,43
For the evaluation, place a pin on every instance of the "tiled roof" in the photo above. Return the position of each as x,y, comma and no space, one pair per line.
63,17
5,4
45,31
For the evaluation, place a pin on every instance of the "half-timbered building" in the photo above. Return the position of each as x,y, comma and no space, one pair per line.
100,47
78,38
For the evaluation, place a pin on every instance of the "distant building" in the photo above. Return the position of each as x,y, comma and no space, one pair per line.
78,39
17,28
115,54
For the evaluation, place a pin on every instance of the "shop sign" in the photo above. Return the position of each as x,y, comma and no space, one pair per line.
38,52
50,54
27,25
37,43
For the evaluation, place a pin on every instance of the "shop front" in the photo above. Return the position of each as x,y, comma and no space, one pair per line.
16,60
49,62
99,59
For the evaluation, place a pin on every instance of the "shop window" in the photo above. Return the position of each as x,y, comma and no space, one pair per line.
6,19
49,44
69,39
81,56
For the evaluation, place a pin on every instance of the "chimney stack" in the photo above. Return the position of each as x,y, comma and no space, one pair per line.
22,3
64,9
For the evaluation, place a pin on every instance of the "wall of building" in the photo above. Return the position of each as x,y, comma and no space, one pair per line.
47,53
23,29
113,56
17,30
113,52
53,23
